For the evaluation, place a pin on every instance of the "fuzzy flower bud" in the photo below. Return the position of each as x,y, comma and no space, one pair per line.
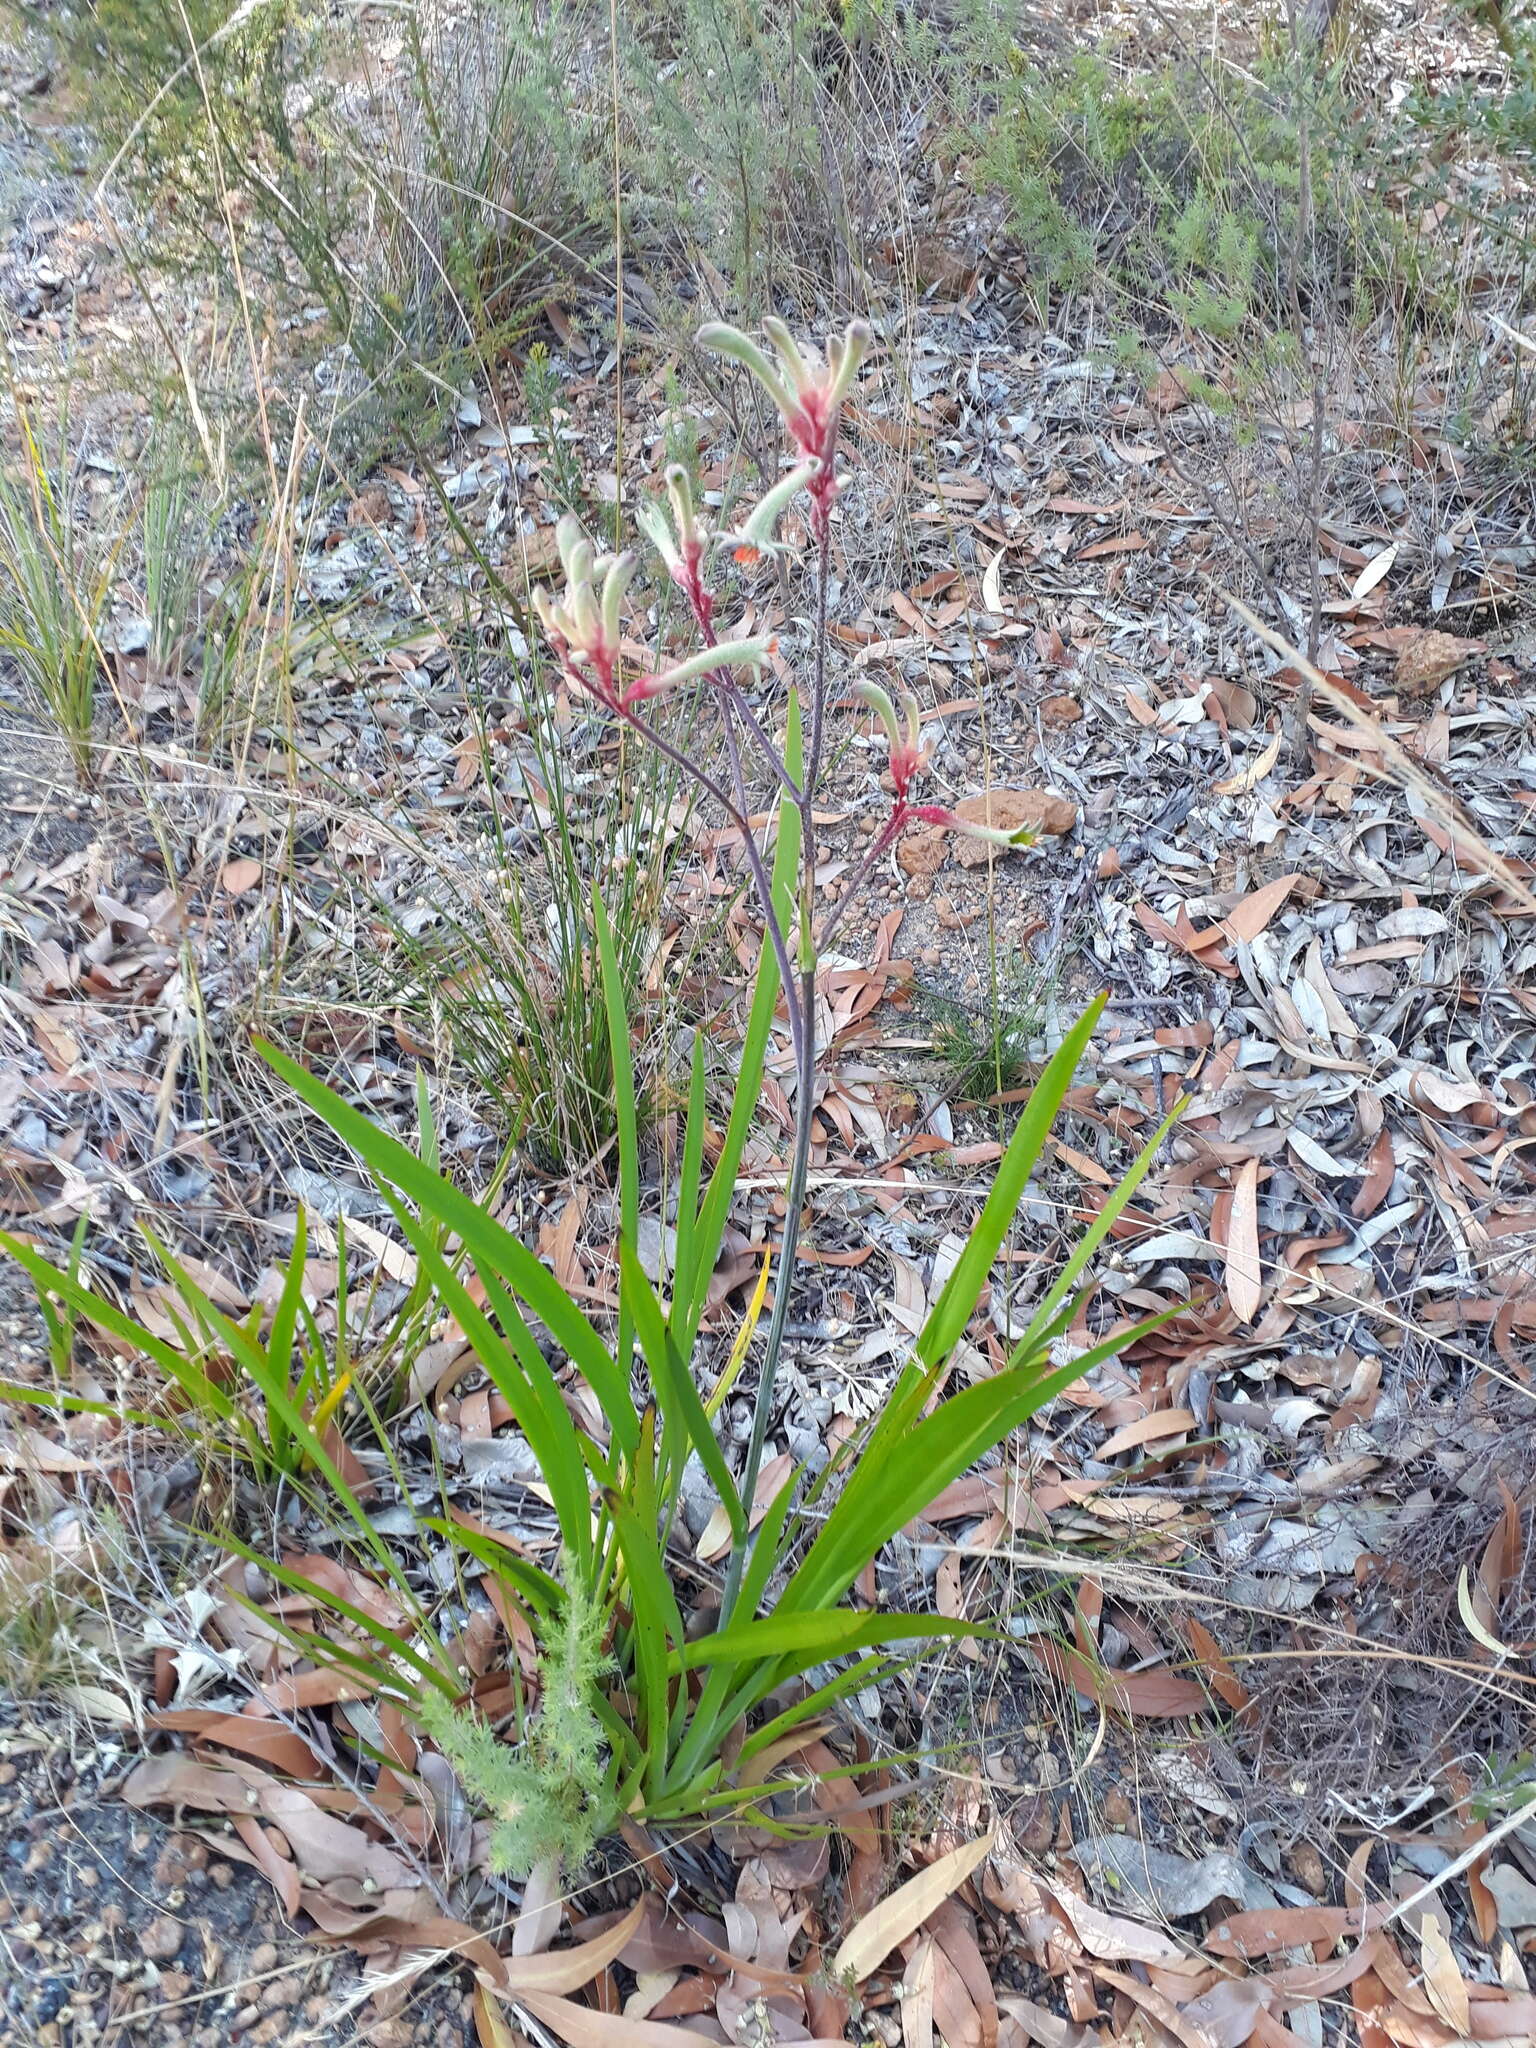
906,740
950,821
727,655
679,541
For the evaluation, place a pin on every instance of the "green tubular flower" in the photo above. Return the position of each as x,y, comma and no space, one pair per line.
584,626
906,743
728,654
757,534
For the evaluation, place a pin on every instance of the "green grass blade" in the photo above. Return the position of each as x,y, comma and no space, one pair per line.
285,1317
622,1053
380,1632
183,1372
674,1385
494,1250
885,1492
692,1168
949,1315
946,1321
1097,1231
517,1369
534,1588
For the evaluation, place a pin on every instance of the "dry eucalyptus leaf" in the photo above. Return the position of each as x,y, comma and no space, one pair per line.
1129,1873
906,1909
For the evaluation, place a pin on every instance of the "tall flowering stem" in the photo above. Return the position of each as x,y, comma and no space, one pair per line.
583,626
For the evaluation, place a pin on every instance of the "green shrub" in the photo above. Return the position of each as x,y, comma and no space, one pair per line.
428,209
1180,190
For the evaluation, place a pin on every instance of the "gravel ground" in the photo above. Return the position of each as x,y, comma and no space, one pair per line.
116,1929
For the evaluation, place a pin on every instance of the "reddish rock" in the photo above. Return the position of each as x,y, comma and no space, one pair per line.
1038,810
920,852
1061,710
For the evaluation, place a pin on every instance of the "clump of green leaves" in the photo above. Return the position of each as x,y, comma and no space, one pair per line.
985,1047
58,564
549,1795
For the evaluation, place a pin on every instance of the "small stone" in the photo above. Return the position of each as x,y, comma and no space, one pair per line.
951,919
1118,1811
1424,662
161,1940
920,852
1514,1895
1036,810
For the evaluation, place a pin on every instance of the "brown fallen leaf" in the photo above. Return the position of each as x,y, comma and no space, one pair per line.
917,1996
1167,1422
935,266
1035,810
371,507
1114,1939
904,1912
1162,2009
237,877
1228,2013
269,1742
1166,393
1442,1980
1245,920
582,2026
1245,1276
491,2028
325,1848
1259,1932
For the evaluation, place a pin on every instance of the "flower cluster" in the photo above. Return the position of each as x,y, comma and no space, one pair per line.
585,629
808,393
584,626
907,759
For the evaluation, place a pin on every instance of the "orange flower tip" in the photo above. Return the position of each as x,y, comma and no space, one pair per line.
746,555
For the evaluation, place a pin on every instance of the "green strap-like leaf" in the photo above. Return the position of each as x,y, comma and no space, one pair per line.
946,1321
801,1640
494,1250
626,1118
674,1384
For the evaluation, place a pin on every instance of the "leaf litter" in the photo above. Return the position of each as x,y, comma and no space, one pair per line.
1280,1553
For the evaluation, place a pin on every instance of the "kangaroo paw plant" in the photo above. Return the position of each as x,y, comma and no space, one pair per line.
654,1693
